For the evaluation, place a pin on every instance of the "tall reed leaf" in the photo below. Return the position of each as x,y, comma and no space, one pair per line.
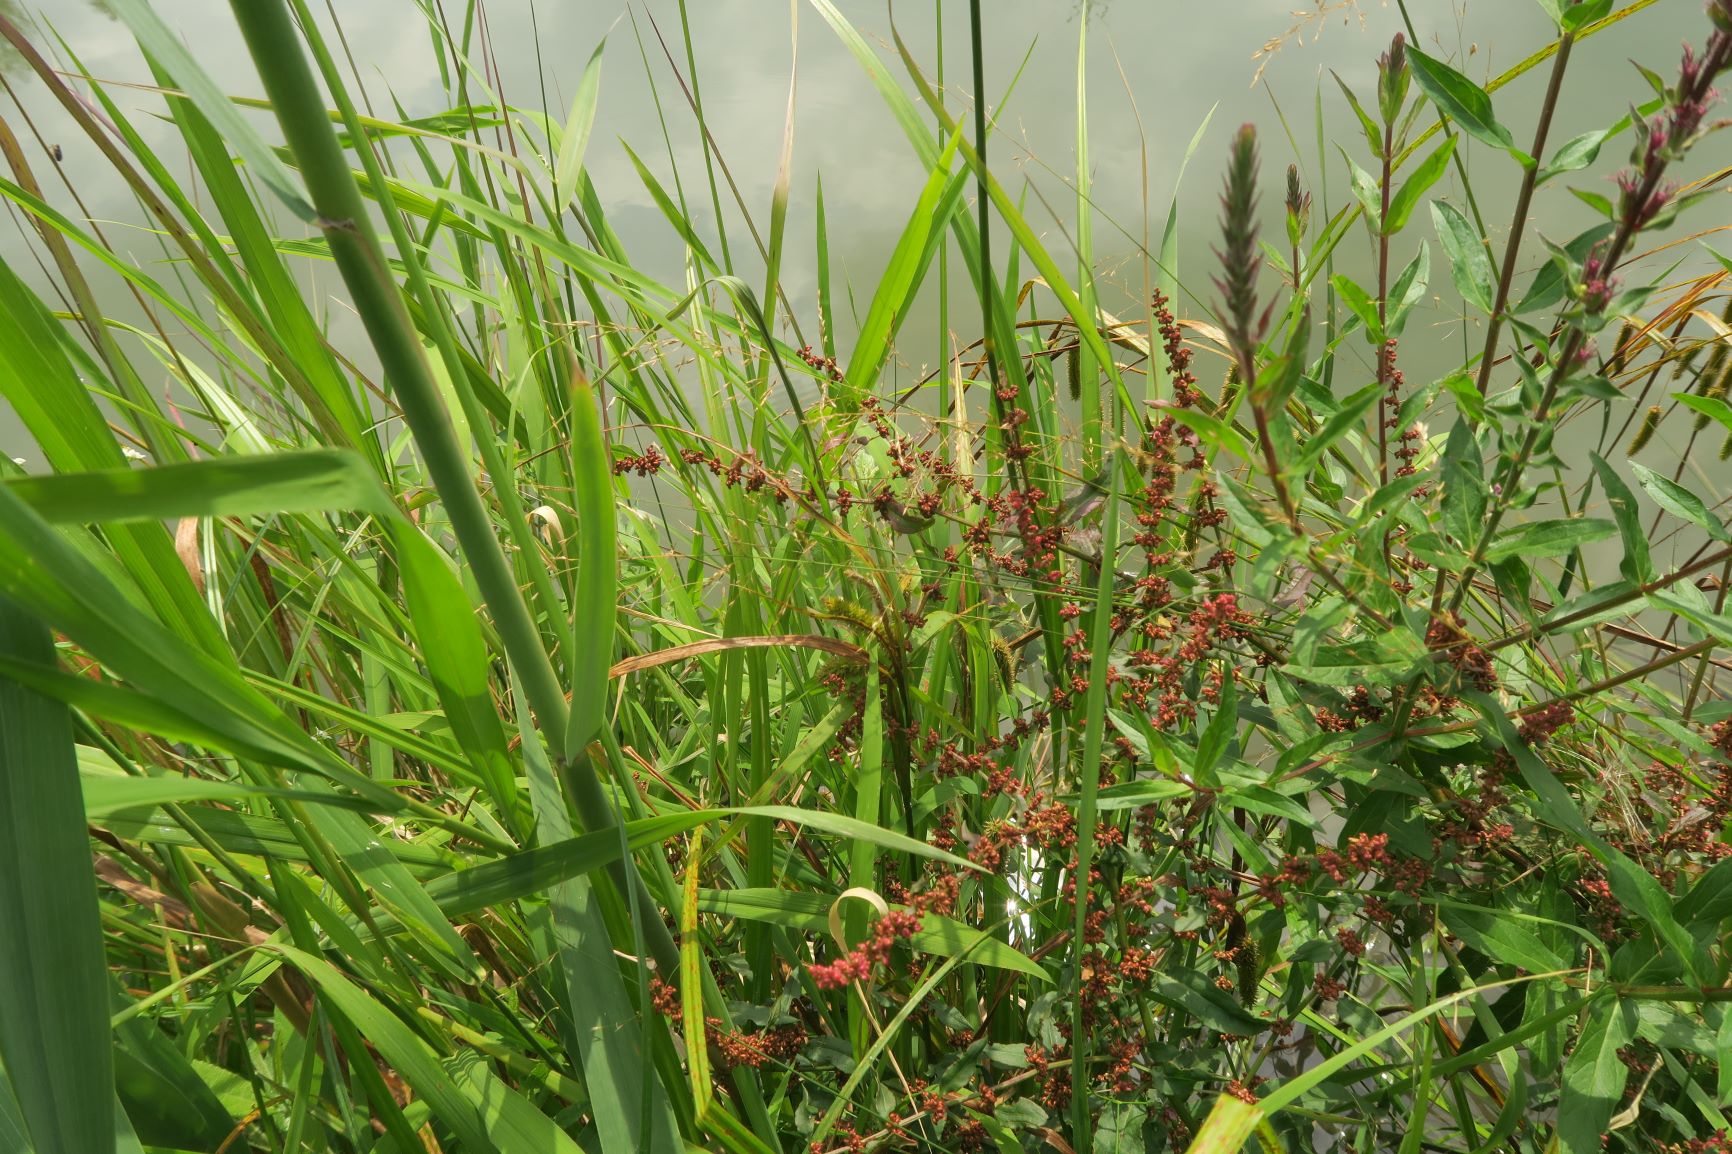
53,981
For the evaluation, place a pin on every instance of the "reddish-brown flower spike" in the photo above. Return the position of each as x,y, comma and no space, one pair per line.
1392,79
1298,209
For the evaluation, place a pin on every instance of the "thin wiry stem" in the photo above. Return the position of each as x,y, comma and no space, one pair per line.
1523,206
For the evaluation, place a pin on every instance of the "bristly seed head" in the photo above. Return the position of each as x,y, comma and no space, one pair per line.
1645,433
1238,255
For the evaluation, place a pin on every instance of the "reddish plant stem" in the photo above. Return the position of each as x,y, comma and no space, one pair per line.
1518,220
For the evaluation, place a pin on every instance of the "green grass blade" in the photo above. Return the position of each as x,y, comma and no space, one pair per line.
459,664
609,1034
483,1112
593,608
54,1031
280,483
171,51
574,138
908,264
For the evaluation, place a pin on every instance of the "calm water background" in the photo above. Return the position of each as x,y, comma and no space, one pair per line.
1174,59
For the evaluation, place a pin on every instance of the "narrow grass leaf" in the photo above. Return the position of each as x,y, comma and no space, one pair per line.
170,52
315,481
592,613
574,137
54,1034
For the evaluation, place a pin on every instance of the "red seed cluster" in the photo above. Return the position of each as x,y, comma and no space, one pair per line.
859,964
1449,639
862,962
732,1048
1539,725
645,464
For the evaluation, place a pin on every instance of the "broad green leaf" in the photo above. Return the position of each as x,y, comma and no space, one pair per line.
1460,99
1594,1077
1469,261
1501,938
54,1035
1575,154
1418,183
1579,15
1464,486
1709,901
1549,538
1408,290
1680,502
1145,791
1197,996
1362,305
1217,738
1120,1128
1348,417
1712,407
1368,126
1636,566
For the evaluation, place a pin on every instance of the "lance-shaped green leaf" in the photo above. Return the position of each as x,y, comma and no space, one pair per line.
1462,101
1469,261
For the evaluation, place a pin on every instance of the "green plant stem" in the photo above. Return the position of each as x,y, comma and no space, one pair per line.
1701,674
983,204
1707,561
342,217
1101,638
1524,203
275,44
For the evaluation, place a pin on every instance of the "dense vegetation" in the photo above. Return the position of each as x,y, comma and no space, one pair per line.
597,714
